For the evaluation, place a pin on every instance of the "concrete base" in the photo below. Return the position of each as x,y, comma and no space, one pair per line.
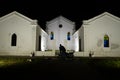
98,54
76,54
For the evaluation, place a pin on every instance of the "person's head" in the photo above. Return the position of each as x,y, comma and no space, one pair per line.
60,45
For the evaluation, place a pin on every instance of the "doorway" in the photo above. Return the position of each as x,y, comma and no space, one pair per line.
79,44
39,48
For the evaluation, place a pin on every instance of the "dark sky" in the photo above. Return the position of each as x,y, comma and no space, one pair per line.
45,10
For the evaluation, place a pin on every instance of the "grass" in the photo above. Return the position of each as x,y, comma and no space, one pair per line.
97,62
10,61
57,68
108,63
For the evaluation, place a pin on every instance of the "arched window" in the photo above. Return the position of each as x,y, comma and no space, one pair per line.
106,41
52,35
68,36
13,40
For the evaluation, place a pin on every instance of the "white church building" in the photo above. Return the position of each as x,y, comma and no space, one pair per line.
60,31
99,35
21,36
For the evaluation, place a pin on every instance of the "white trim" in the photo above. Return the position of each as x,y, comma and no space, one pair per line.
99,16
18,14
59,18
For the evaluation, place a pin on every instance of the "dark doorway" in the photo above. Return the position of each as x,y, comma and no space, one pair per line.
79,44
39,43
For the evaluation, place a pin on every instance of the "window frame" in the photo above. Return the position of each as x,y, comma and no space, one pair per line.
14,40
52,35
106,41
68,36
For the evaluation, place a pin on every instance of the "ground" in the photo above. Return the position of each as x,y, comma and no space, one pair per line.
59,69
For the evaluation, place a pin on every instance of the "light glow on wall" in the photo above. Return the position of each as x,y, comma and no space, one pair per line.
76,44
43,43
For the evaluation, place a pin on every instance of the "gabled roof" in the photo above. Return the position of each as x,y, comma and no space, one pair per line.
18,14
59,18
99,16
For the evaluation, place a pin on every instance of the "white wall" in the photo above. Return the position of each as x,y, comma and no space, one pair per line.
42,44
44,36
38,34
25,31
95,31
60,34
76,41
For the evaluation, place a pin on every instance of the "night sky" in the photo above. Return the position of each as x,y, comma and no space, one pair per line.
45,10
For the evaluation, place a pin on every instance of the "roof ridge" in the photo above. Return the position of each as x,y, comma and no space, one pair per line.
100,15
60,17
17,13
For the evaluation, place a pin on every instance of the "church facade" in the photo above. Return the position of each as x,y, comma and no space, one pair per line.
99,35
21,36
60,31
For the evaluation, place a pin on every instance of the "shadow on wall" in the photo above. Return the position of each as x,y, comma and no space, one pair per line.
99,43
114,46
